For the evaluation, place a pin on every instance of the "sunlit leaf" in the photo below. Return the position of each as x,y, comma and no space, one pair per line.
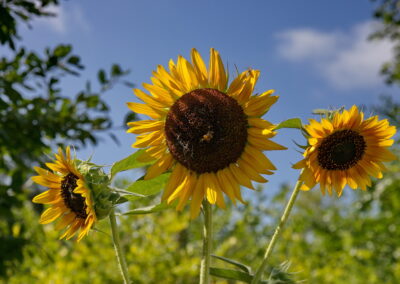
147,187
128,163
290,123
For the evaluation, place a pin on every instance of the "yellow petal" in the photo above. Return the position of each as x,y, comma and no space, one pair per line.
198,196
159,167
50,214
154,103
147,110
187,192
211,188
199,67
143,126
178,173
240,176
47,197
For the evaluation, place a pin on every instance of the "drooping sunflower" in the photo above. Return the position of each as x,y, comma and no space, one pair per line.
346,149
68,195
209,134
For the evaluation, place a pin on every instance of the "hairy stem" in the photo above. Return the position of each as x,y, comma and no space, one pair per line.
278,230
207,240
118,251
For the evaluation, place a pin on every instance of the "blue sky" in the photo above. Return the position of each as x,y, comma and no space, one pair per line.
313,53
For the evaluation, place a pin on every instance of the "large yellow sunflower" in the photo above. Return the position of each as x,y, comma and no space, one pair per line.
209,134
69,197
345,150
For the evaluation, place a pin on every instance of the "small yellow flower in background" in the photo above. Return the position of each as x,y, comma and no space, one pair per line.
345,150
69,196
209,134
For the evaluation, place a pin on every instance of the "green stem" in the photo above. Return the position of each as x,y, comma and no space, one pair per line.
285,216
207,240
118,251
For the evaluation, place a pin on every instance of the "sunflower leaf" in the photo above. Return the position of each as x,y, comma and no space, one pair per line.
149,209
239,265
290,123
143,188
128,163
231,274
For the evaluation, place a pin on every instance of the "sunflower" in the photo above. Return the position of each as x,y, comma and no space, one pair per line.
68,195
345,150
209,134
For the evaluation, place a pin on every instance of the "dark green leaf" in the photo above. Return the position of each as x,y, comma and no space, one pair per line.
102,77
116,70
290,123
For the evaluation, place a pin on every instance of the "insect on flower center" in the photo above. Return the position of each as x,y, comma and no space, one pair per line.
73,201
341,150
206,130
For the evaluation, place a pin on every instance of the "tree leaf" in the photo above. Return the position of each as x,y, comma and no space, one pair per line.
149,209
239,265
101,75
128,163
290,123
231,274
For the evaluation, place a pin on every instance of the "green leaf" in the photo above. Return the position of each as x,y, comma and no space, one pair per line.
128,163
231,274
241,266
149,209
62,50
102,77
116,70
143,188
290,123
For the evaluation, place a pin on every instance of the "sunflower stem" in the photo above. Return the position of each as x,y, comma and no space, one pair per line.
118,251
278,230
207,240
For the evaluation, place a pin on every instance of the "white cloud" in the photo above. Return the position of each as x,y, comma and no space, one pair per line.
305,43
66,18
347,60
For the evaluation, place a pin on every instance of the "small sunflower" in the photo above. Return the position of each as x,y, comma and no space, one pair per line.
209,134
345,150
68,195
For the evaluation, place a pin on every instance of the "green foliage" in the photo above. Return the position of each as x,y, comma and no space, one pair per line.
12,11
388,13
36,114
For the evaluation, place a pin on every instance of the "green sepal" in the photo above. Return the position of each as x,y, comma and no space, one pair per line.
98,183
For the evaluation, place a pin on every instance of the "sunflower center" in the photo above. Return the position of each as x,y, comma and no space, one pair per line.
341,150
73,201
206,130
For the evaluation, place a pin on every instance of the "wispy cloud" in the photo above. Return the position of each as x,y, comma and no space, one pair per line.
66,19
347,60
